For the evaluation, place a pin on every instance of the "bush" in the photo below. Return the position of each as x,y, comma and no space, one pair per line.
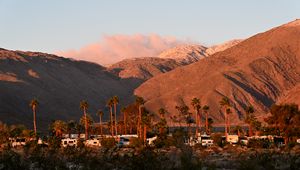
259,143
178,137
217,138
135,142
108,142
164,142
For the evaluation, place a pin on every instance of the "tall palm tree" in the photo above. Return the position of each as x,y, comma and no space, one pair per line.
162,113
84,106
210,123
110,104
228,112
116,101
123,110
205,109
100,114
34,104
196,105
140,102
70,126
249,118
59,127
226,104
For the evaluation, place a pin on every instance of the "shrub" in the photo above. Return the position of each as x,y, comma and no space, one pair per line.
259,143
217,138
108,142
135,142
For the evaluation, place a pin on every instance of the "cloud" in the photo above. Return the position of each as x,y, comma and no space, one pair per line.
112,49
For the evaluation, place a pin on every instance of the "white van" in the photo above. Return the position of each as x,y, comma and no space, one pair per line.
206,140
15,142
92,143
233,139
69,142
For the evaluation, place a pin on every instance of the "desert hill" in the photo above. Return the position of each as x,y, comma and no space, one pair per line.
59,84
256,71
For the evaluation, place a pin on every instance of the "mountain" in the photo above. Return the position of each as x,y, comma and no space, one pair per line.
185,53
143,68
221,47
59,84
256,71
291,96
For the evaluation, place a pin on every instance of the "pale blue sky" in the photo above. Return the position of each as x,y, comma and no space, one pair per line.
48,26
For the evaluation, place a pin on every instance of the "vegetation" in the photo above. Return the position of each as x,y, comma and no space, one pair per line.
283,121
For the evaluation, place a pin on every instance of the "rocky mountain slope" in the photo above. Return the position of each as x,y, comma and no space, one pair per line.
221,47
143,68
185,54
256,71
58,83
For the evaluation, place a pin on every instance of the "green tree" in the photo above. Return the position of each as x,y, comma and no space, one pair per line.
84,106
33,105
286,118
250,118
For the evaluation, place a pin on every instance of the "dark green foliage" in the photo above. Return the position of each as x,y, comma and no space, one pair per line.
259,143
108,142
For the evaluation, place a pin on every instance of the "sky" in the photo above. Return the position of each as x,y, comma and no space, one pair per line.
79,28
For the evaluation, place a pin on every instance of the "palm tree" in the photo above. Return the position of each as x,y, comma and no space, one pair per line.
110,104
205,109
162,122
228,112
86,120
84,106
196,104
59,127
238,130
100,114
115,102
70,126
210,122
249,118
123,110
226,104
33,104
140,102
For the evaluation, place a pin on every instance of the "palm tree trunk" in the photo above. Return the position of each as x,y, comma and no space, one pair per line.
145,134
250,130
101,130
226,134
34,120
206,122
115,109
125,125
86,124
197,120
140,122
111,121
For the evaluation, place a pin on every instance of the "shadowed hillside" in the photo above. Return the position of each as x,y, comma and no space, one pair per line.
59,84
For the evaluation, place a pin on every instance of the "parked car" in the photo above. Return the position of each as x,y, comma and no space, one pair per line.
69,142
244,140
233,139
206,140
92,143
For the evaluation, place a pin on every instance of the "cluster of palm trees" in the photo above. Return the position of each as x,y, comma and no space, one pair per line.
140,118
